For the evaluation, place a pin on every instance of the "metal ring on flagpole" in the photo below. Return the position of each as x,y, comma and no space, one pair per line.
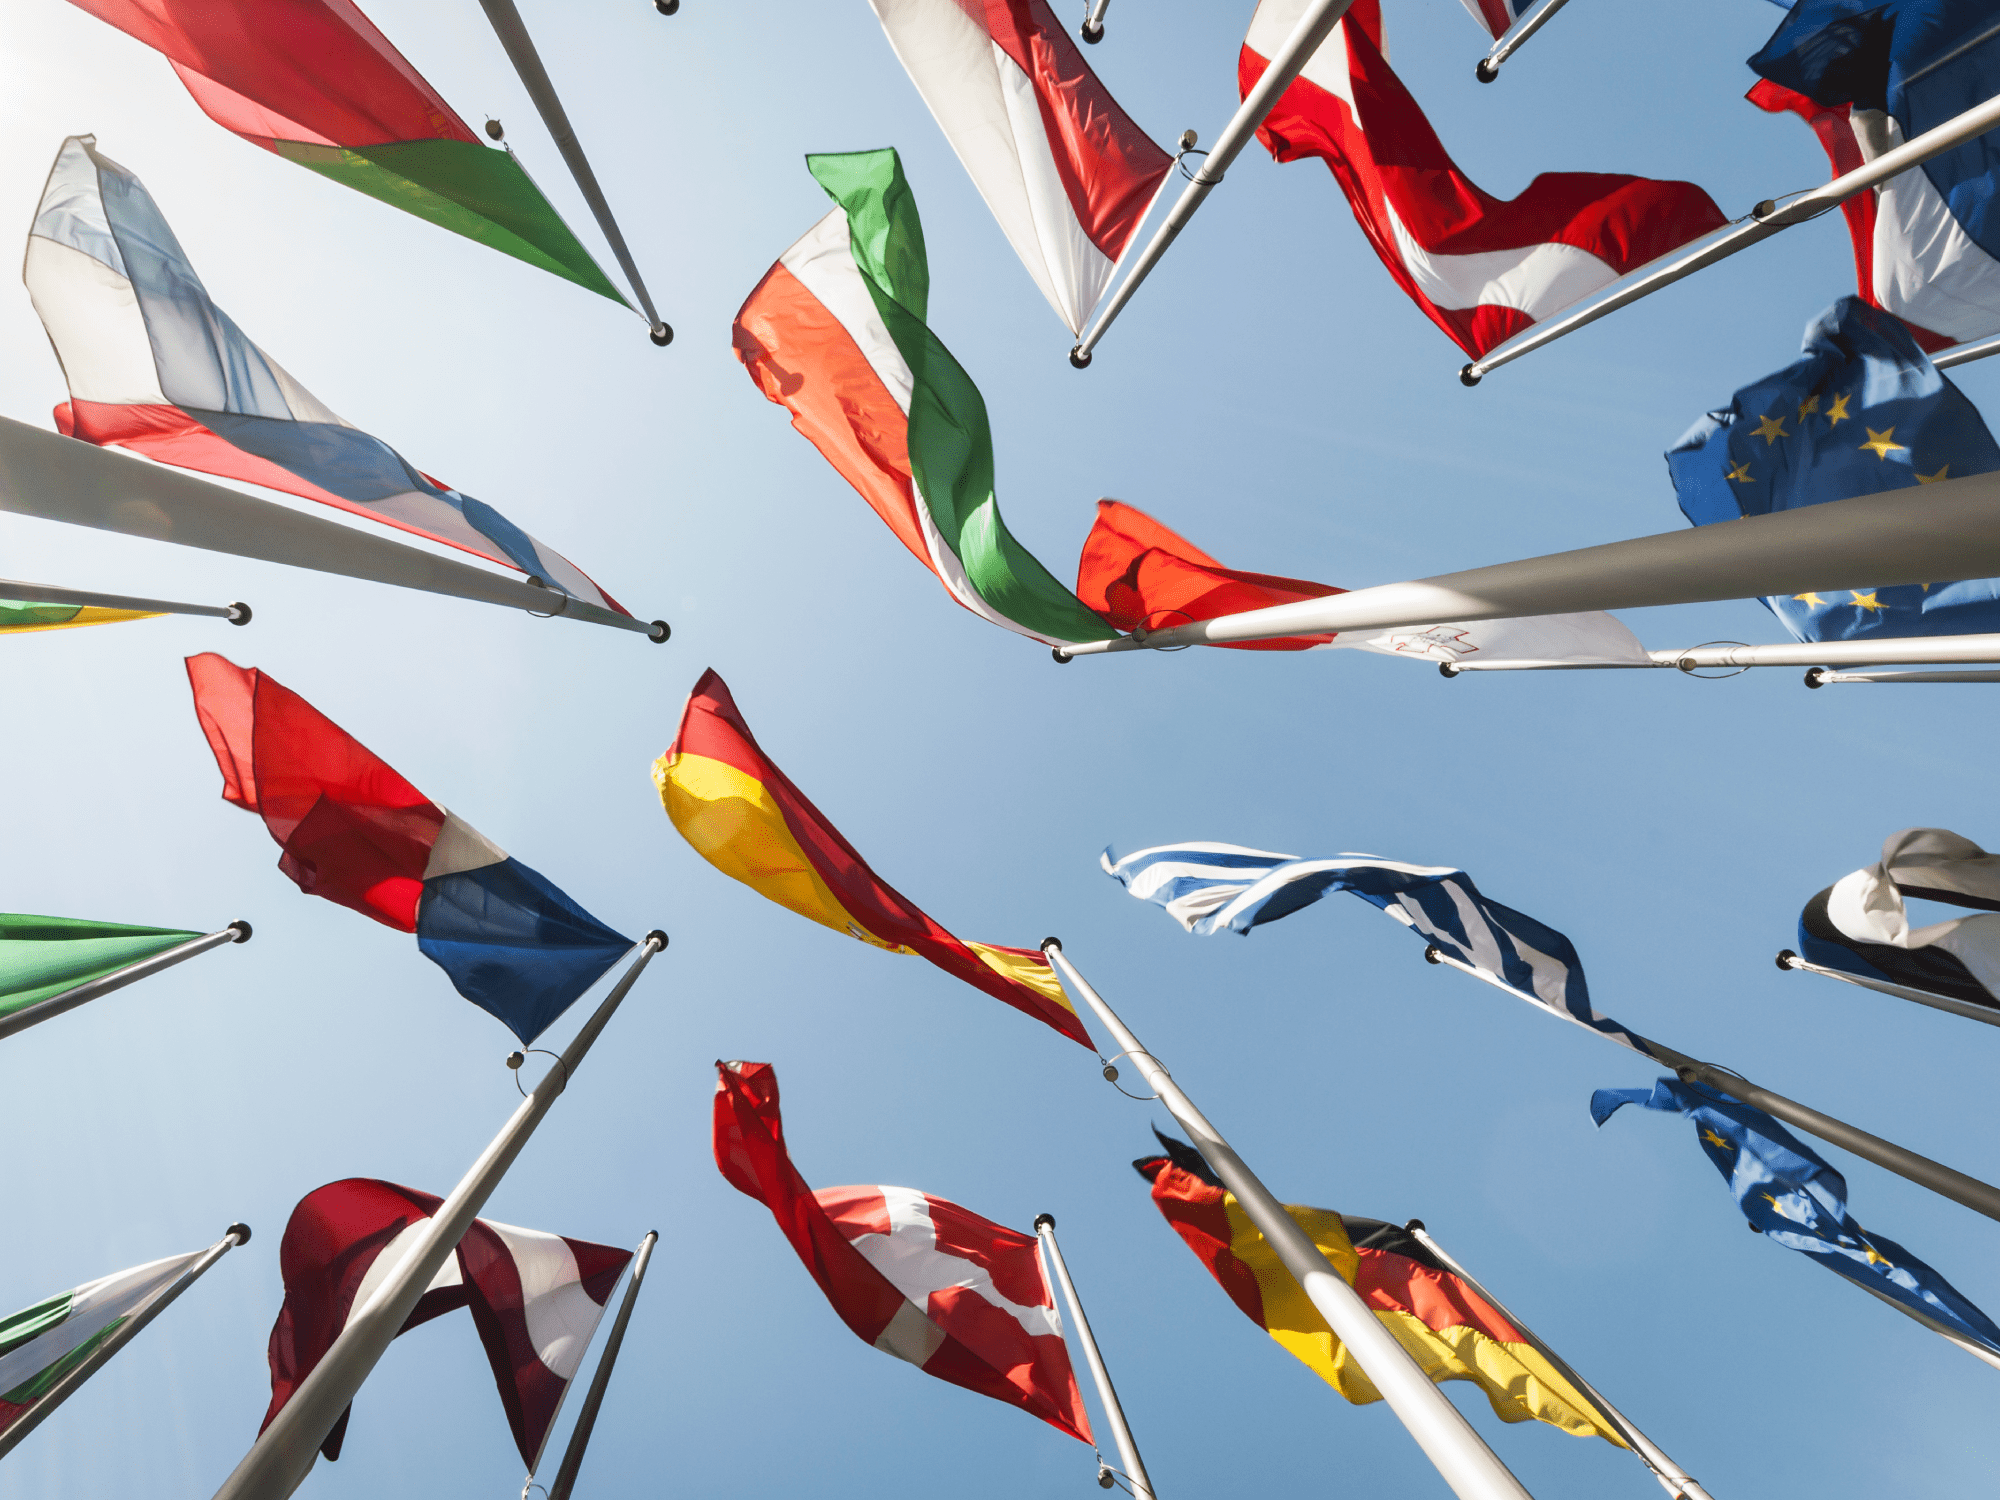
1180,160
514,1061
536,580
1111,1077
1146,628
1692,669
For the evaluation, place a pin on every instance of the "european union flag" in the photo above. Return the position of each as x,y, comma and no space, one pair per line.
1860,411
1792,1196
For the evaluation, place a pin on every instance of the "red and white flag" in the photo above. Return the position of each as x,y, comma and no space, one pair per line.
958,1296
1482,268
536,1298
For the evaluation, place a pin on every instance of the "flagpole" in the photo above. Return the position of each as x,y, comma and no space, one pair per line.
586,1419
1448,1440
83,994
42,593
1313,27
1937,648
1819,677
123,1334
1964,354
1510,41
1789,960
1107,1395
1673,1478
283,1454
1093,21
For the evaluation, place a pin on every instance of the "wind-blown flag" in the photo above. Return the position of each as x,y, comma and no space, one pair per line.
18,617
358,834
39,1345
744,816
1867,76
1860,411
958,1296
535,1298
1136,573
835,334
156,367
1860,926
314,82
1063,168
1789,1194
1449,1329
1495,16
1481,268
41,957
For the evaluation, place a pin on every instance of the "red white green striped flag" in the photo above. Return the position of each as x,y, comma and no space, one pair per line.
835,333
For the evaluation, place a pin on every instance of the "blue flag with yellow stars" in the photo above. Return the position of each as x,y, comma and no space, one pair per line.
1860,411
1792,1196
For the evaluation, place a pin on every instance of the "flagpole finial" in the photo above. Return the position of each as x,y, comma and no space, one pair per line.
1487,70
1469,377
1079,357
1432,954
242,929
657,939
239,1232
1044,1221
666,7
1447,669
659,632
661,334
1063,658
1049,942
239,613
1415,1226
1093,34
1785,957
1815,677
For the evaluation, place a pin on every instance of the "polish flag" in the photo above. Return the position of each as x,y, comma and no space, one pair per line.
958,1296
1482,268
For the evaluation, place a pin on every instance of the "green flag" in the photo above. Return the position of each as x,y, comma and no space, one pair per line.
43,956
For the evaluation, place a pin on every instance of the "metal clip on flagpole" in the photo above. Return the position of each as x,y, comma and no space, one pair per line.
121,1334
42,593
83,994
535,78
1789,961
283,1454
586,1420
1107,1395
1314,26
1510,41
1448,1440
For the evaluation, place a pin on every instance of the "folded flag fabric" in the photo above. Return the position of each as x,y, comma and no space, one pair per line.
18,617
1062,166
358,834
1862,410
1860,926
1482,268
1137,573
1448,1328
156,367
314,82
1868,76
1789,1194
1495,16
744,816
40,1345
535,1298
835,334
40,957
958,1296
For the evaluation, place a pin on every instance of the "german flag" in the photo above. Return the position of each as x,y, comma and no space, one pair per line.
1453,1332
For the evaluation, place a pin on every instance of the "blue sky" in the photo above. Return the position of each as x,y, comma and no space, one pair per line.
1272,395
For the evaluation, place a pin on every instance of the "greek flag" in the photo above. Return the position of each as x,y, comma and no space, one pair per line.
1210,888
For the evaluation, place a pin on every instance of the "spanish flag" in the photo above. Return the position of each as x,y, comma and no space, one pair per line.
1453,1332
744,816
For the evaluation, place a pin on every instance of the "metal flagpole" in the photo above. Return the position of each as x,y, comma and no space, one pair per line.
1936,648
535,79
1819,677
42,593
1964,354
1472,1469
1510,41
1107,1395
1093,21
283,1454
1788,960
1313,27
83,994
586,1420
121,1335
1671,1475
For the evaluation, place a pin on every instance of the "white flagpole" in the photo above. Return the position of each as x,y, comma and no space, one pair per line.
130,1329
1788,960
1314,26
1448,1440
283,1454
1509,41
586,1419
43,593
1820,677
1093,21
83,994
1934,648
1964,354
1107,1394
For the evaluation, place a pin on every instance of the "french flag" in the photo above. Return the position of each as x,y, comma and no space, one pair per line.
1482,268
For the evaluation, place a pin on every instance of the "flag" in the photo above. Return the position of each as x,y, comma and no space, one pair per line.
314,82
1138,574
1790,1195
18,616
358,834
1211,888
1451,1331
41,1344
41,957
1496,16
744,816
1063,168
1482,268
958,1296
1859,925
535,1297
1868,76
1860,411
154,366
835,334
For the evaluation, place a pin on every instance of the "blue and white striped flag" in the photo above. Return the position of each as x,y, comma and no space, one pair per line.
1210,888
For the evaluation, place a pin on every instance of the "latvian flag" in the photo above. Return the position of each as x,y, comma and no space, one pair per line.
1481,268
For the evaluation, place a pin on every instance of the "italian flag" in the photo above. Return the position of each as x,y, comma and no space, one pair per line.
40,957
835,334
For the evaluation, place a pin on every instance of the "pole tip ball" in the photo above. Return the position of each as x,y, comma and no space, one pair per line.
1487,70
1431,951
657,938
659,632
663,335
1079,358
1062,657
1093,34
1050,942
1785,957
238,1232
1044,1221
666,7
494,131
1816,677
239,613
1469,377
244,932
515,1059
